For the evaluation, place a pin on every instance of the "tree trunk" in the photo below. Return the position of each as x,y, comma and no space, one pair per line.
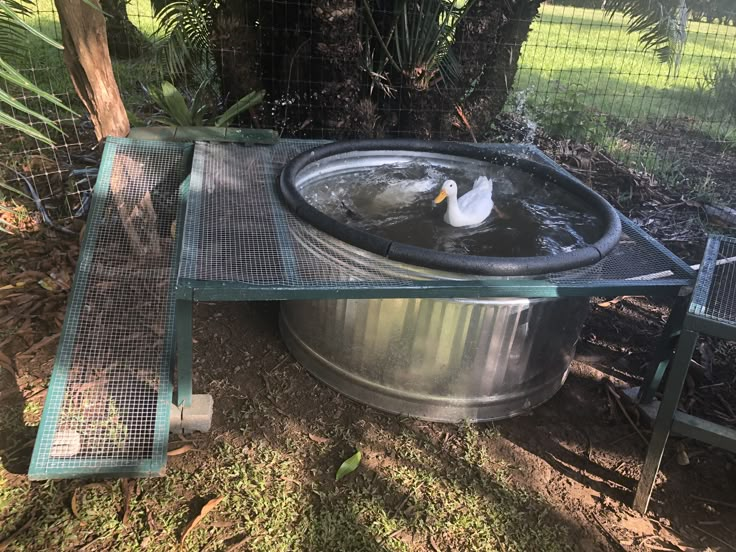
87,58
318,67
493,37
124,39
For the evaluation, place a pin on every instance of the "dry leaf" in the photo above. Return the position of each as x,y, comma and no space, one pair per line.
48,284
682,458
608,304
206,509
317,438
180,450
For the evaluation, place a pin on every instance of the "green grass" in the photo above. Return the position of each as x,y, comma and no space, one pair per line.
584,49
283,500
568,49
46,66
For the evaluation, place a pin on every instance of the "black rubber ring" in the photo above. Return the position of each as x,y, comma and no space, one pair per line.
431,258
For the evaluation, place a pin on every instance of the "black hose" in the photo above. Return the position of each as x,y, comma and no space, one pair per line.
431,258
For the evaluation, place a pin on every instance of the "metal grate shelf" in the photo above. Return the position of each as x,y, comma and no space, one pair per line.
714,296
107,408
241,242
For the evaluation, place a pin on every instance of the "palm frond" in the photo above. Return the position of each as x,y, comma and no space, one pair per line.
185,28
12,34
659,23
14,20
13,31
419,42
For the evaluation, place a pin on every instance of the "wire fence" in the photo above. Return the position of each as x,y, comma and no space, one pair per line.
336,69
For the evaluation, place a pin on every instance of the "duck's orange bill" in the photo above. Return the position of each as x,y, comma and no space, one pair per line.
440,197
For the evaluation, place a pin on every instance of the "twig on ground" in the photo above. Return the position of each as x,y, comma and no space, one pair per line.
714,537
713,501
612,539
5,543
617,398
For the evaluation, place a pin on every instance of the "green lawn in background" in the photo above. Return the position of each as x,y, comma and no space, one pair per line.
46,67
568,48
586,50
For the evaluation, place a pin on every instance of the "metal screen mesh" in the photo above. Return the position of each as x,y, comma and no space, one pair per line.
570,68
714,296
107,409
238,231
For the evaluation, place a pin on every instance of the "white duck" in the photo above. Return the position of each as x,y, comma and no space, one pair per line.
472,208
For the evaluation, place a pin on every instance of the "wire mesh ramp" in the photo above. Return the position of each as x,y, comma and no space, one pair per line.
713,305
242,243
107,407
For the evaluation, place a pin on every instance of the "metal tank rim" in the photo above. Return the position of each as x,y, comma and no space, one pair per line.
439,260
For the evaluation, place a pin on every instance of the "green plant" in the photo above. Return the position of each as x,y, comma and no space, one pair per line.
662,25
184,29
418,42
176,111
349,466
13,29
567,116
722,84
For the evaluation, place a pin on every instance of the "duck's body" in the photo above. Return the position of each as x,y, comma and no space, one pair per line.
472,208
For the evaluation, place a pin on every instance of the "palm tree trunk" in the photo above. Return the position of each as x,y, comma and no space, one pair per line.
317,67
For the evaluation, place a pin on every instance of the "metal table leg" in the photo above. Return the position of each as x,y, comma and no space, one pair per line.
664,351
184,352
663,423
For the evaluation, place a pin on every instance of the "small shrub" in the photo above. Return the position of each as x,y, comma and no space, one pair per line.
722,83
567,116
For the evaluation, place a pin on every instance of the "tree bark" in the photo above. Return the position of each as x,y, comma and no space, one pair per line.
491,41
124,39
317,68
87,58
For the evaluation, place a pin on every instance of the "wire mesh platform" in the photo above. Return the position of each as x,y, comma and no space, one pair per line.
107,408
714,296
241,243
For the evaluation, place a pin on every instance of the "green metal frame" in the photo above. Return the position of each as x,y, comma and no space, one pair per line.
54,398
668,419
189,291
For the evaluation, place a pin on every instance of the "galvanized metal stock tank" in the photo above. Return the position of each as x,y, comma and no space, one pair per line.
443,360
439,359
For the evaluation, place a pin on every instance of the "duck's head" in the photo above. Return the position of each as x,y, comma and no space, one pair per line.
449,189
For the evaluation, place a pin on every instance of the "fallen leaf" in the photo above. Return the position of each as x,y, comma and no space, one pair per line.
348,466
317,438
206,509
48,284
180,450
706,357
682,458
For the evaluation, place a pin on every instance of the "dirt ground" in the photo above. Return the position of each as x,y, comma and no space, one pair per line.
560,478
577,451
